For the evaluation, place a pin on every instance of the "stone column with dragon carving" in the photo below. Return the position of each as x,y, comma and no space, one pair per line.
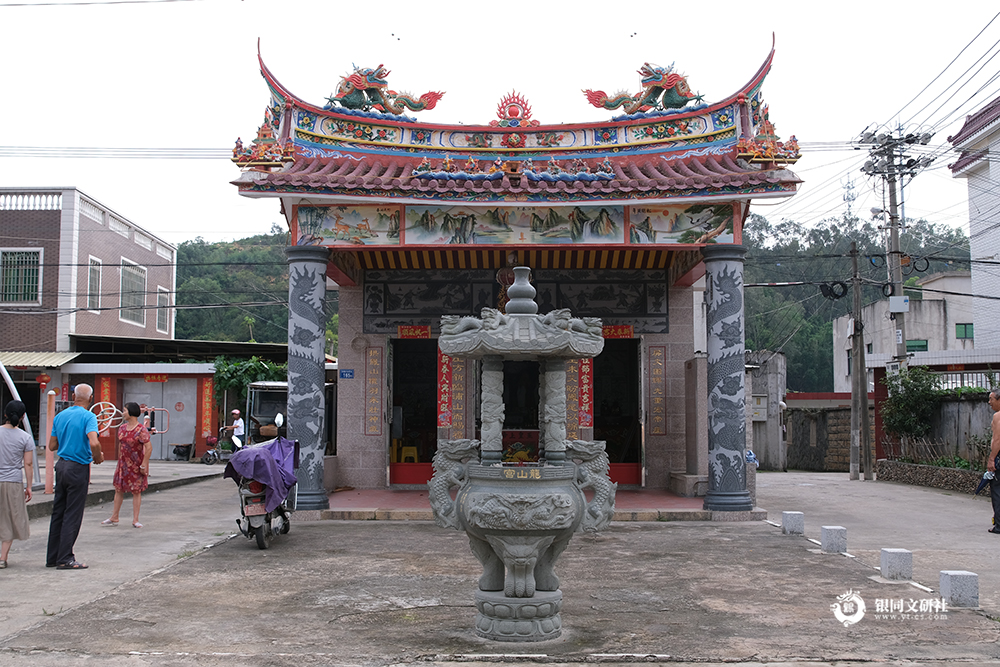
727,479
307,368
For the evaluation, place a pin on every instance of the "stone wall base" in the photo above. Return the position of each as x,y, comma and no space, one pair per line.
688,486
952,479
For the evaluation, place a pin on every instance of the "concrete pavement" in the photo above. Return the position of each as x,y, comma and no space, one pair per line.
182,591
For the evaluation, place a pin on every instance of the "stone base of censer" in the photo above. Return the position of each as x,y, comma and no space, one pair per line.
505,619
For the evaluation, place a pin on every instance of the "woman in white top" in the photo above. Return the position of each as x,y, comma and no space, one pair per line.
15,479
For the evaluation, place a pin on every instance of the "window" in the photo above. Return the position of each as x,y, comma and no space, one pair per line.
868,348
916,346
94,285
20,278
963,331
133,293
162,310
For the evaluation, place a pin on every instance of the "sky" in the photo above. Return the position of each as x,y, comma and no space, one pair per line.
181,77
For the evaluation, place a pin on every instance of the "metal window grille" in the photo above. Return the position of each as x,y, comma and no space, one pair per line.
19,276
955,379
163,311
94,285
133,293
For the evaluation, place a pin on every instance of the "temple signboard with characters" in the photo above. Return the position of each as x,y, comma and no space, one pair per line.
628,219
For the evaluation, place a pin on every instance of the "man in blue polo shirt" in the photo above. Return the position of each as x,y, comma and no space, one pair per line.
74,439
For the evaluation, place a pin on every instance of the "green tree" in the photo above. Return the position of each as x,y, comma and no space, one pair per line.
913,398
233,375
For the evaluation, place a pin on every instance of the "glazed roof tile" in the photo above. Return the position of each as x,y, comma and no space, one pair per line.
397,174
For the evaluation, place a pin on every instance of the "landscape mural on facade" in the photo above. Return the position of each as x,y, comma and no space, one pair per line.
464,225
695,223
445,225
353,225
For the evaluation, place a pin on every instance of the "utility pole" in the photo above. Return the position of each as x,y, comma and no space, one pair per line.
857,344
895,257
861,450
889,162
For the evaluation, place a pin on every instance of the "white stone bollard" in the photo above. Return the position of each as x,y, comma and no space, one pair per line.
793,523
833,539
960,588
897,564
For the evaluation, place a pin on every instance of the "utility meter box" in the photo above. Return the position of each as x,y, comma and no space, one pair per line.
758,406
899,304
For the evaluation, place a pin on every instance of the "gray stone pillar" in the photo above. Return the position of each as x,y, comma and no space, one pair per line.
307,368
553,417
727,479
491,431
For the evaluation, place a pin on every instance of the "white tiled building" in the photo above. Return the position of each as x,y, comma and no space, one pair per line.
979,142
941,321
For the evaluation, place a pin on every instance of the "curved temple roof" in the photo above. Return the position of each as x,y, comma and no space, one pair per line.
721,151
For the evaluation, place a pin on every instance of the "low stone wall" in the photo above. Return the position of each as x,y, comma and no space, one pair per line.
952,479
820,439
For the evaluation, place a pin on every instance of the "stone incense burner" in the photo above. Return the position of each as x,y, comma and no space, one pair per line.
520,517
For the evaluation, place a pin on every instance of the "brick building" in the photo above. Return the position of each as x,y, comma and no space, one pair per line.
70,267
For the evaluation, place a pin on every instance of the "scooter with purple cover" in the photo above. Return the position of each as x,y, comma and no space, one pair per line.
265,474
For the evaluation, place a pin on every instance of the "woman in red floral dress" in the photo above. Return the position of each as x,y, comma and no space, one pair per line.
132,473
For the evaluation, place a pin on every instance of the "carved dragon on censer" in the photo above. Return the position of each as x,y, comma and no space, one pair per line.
366,89
662,89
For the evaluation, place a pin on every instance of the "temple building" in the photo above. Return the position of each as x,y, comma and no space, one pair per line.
619,220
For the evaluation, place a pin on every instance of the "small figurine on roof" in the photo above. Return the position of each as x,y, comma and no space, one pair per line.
471,166
579,166
447,165
238,148
553,167
496,166
527,166
423,167
606,167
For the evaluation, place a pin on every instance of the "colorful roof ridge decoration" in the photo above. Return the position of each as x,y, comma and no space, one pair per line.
358,155
766,147
662,90
264,151
366,89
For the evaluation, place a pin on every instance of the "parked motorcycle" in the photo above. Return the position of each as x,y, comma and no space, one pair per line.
265,474
216,452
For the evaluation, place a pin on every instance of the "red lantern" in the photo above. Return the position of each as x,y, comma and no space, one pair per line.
43,380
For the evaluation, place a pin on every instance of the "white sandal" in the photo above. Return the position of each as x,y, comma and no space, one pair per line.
109,522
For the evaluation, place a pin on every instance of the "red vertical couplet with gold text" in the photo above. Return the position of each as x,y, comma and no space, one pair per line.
657,390
444,389
373,391
586,393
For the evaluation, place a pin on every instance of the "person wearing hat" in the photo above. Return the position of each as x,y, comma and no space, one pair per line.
237,427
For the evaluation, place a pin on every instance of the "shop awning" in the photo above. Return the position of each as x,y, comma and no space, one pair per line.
36,359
